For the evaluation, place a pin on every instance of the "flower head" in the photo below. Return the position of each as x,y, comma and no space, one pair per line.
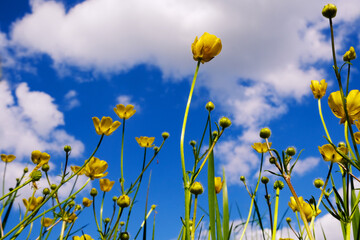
124,112
196,188
86,202
328,153
106,185
123,201
206,47
83,237
261,147
7,158
145,141
46,222
318,88
39,158
32,203
105,126
349,55
218,184
95,168
352,105
329,11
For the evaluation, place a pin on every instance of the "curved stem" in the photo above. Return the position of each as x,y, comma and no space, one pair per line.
322,120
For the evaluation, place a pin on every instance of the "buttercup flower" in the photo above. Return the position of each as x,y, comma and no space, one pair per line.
206,47
328,153
352,105
46,222
32,202
106,185
218,184
309,211
39,158
123,201
7,158
105,126
83,237
318,88
196,188
349,55
86,202
261,147
95,168
357,134
145,141
124,112
292,204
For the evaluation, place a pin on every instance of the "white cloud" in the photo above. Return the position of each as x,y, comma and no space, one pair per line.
30,120
304,166
71,99
126,100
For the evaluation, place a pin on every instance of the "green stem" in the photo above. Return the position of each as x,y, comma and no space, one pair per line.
122,157
322,120
62,230
94,212
276,213
16,189
101,211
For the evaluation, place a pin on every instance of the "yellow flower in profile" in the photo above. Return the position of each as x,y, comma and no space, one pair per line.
39,158
46,222
83,237
86,202
328,153
352,104
318,88
145,141
105,126
206,47
32,202
261,147
349,55
70,218
124,112
309,211
292,204
7,158
95,168
218,184
106,185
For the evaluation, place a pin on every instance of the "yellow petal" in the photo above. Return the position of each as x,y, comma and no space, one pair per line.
96,121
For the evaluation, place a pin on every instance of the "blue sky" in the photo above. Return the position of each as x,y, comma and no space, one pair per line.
64,62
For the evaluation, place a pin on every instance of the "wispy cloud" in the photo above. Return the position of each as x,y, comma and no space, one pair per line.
126,100
71,100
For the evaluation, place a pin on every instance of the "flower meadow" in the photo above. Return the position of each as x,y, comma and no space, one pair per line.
45,215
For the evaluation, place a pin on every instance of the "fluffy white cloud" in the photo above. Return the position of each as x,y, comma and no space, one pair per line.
30,120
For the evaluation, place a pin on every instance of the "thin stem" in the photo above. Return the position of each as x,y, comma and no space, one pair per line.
194,218
322,120
62,230
15,189
122,157
276,213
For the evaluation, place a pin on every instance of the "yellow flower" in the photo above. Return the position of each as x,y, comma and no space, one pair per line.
105,126
145,141
292,204
46,222
328,153
7,158
106,185
353,105
318,88
206,47
32,203
83,237
123,201
124,112
70,218
260,147
309,211
86,202
39,158
95,168
349,55
357,137
218,184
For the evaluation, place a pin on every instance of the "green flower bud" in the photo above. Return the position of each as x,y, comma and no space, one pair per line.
156,149
122,223
153,206
196,188
67,148
45,167
224,122
278,185
290,151
318,183
115,198
123,201
106,220
265,133
288,220
264,180
78,207
272,160
210,106
165,135
124,236
53,186
17,179
36,175
71,203
10,189
341,144
93,192
242,178
215,134
329,11
26,169
46,191
193,143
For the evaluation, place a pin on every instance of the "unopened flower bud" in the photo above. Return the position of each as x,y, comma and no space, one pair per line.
124,236
71,203
288,220
290,151
46,191
165,135
36,175
242,178
329,11
77,207
67,148
215,134
196,188
115,198
218,184
224,122
123,201
265,133
272,160
153,206
156,149
341,144
264,180
193,143
45,167
318,183
122,223
26,169
106,220
53,186
93,192
278,185
210,106
17,179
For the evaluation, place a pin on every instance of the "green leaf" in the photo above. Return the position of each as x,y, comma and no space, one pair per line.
225,208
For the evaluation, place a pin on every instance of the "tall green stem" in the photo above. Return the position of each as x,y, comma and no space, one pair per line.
322,120
122,157
276,210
